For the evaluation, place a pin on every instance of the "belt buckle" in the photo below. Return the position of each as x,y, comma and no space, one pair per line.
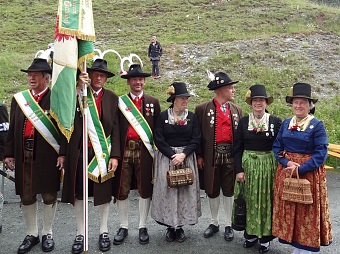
132,145
28,144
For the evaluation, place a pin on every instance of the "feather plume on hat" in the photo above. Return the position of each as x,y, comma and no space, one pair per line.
248,94
171,90
211,76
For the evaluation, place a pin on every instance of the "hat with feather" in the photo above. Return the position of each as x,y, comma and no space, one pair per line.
218,80
258,91
177,89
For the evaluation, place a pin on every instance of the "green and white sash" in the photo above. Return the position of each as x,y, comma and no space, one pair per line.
137,121
39,118
101,145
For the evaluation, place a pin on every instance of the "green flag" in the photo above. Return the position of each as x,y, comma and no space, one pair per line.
73,44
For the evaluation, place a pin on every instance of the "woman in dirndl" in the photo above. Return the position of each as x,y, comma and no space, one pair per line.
255,167
301,145
176,136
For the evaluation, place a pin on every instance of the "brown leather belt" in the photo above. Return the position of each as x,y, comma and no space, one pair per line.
133,144
224,148
28,144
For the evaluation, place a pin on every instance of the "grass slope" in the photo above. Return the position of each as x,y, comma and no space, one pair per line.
126,26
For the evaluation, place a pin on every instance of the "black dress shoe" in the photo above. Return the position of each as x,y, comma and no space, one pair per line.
228,234
120,236
104,243
28,244
170,234
47,243
264,249
180,236
248,244
211,230
78,244
143,236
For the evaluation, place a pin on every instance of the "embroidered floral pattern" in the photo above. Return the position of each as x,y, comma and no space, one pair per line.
258,128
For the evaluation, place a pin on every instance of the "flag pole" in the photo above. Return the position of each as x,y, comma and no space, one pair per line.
85,164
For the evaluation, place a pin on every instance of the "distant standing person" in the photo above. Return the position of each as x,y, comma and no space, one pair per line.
155,53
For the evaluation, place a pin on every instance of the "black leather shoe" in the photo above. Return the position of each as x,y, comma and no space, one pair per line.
228,234
211,230
28,243
248,244
104,243
143,236
170,234
264,249
78,244
180,236
120,236
47,243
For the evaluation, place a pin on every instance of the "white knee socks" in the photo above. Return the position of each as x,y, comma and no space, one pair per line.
49,213
31,218
123,212
79,213
104,215
214,204
144,207
228,207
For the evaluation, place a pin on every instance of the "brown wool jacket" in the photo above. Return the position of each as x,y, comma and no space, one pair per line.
146,159
109,119
44,175
207,149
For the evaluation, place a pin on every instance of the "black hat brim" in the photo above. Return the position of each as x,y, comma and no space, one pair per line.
211,85
108,73
46,71
144,75
172,97
269,99
289,99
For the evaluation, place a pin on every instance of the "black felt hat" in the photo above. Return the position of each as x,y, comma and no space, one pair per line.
177,89
135,70
221,79
101,66
39,64
258,91
300,90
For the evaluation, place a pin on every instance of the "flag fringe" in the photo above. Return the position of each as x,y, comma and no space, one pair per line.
94,178
77,33
83,59
108,176
66,132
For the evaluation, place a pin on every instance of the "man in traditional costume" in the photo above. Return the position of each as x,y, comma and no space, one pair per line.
138,113
103,153
31,149
218,120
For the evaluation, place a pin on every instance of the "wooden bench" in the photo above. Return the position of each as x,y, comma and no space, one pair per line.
334,151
